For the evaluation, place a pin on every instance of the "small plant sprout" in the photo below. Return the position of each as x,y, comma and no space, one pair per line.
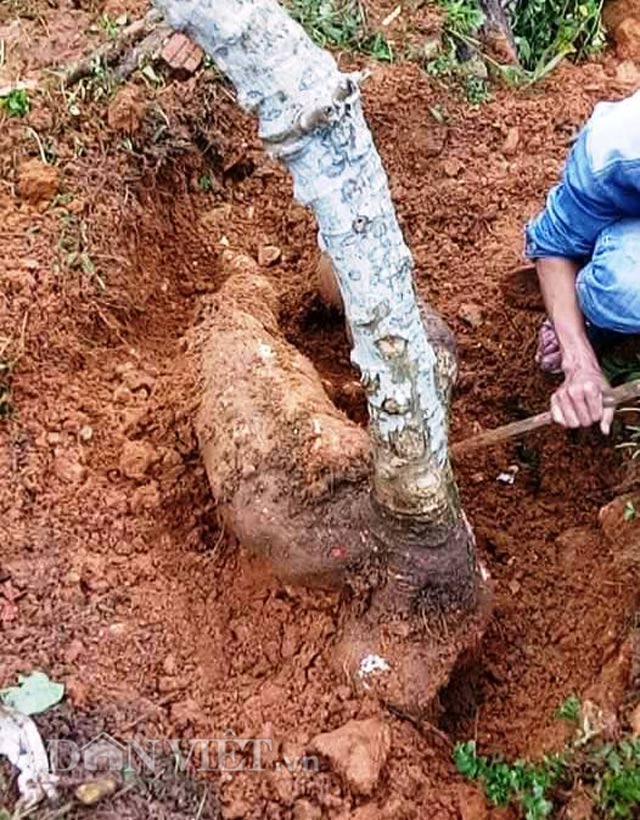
569,709
629,511
205,183
109,26
16,102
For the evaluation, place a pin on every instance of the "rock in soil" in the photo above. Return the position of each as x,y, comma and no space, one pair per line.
92,792
126,112
357,751
37,182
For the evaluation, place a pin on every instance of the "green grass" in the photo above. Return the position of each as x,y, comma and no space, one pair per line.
609,773
16,103
340,24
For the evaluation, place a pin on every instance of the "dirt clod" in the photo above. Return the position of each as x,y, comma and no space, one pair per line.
136,459
358,751
268,255
37,182
473,804
127,109
511,142
471,313
68,469
627,36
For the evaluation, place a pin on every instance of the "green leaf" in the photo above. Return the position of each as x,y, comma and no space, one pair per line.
569,709
16,103
629,511
35,694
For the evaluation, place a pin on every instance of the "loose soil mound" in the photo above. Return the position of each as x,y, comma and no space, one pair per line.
116,576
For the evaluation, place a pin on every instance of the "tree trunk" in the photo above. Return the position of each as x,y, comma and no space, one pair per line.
311,118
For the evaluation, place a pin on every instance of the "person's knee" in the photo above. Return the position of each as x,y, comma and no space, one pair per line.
609,285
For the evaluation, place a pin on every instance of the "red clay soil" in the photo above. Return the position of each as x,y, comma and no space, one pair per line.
115,576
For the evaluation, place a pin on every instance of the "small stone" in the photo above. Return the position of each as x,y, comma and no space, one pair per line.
37,182
92,792
471,313
69,470
512,140
118,629
357,751
452,166
268,255
86,433
136,459
514,587
431,47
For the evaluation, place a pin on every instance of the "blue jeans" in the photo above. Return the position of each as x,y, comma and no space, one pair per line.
608,285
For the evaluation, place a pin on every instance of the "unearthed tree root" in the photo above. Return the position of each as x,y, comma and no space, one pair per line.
289,470
292,475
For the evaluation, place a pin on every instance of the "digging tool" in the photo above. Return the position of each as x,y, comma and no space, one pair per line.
619,395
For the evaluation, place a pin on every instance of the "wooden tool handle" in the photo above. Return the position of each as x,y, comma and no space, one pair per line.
617,396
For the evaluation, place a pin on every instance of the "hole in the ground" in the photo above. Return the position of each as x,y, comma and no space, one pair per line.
320,334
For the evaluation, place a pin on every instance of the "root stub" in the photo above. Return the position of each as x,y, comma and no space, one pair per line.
291,476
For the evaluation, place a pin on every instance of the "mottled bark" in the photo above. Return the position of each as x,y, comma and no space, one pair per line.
311,117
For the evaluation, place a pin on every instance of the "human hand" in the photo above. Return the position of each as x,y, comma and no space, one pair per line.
579,401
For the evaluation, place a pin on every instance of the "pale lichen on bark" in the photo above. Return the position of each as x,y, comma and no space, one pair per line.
311,117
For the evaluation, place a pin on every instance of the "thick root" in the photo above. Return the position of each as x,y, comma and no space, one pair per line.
426,617
406,659
289,470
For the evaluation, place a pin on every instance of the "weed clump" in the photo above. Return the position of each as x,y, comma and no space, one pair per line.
609,773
